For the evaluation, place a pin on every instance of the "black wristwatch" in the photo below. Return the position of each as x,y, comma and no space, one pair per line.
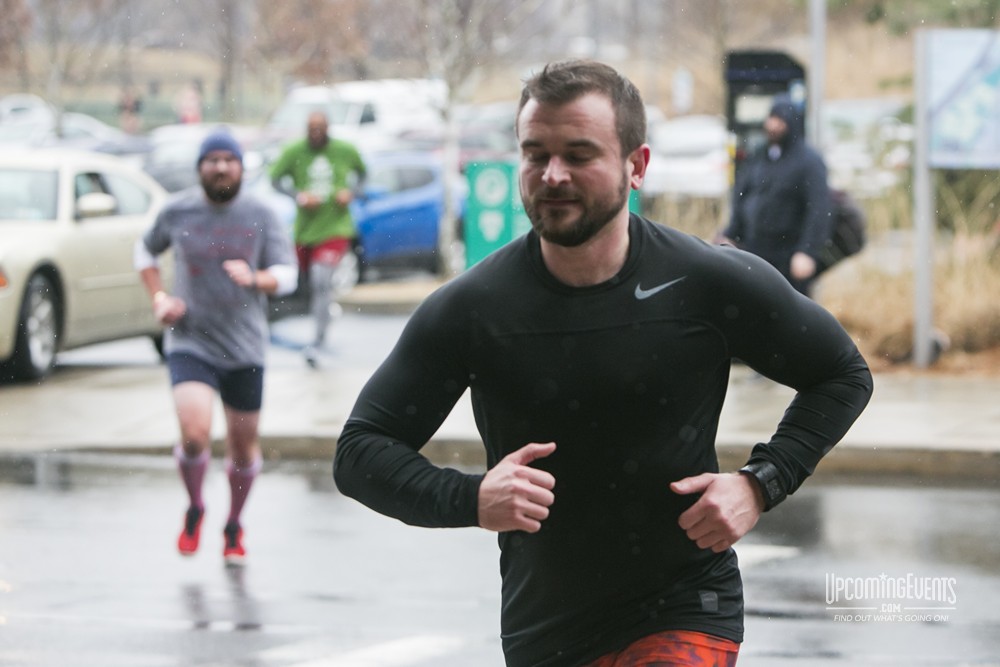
766,475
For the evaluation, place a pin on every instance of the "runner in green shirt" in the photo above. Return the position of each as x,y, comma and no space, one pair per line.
324,174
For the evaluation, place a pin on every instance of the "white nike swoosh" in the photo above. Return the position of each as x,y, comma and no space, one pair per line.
646,293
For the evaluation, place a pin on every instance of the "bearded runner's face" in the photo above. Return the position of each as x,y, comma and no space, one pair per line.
221,175
573,178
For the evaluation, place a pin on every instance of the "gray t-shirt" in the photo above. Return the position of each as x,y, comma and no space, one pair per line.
225,324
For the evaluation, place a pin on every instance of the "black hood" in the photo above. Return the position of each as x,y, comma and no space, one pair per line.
784,108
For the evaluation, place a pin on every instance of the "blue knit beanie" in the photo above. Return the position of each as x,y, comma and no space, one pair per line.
220,140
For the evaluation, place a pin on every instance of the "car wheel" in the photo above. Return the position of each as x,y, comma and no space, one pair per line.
37,331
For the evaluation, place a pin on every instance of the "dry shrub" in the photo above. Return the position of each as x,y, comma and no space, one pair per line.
702,217
873,297
876,307
967,294
891,211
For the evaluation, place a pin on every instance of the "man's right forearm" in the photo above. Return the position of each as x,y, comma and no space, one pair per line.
394,479
152,281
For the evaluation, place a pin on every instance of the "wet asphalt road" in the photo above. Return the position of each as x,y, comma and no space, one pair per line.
89,575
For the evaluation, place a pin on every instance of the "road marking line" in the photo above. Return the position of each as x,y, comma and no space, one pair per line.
395,653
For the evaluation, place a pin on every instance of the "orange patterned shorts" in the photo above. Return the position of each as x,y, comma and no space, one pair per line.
673,648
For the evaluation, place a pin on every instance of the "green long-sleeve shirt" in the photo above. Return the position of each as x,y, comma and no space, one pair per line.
322,172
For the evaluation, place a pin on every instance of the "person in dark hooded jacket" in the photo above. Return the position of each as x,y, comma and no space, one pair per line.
781,208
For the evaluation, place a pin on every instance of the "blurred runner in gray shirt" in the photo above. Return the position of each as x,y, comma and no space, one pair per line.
229,253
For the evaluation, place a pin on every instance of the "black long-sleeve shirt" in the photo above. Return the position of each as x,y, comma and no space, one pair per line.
628,377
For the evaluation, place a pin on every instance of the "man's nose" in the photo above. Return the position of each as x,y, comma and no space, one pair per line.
556,171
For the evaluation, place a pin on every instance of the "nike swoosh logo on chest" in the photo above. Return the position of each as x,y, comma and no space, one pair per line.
641,294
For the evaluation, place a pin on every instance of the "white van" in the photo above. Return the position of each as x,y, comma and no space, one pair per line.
368,113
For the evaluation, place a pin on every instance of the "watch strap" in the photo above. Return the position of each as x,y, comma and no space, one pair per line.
768,479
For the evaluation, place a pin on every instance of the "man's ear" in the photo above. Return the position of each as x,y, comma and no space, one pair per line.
637,162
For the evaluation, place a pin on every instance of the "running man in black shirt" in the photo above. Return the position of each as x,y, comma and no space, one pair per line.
597,349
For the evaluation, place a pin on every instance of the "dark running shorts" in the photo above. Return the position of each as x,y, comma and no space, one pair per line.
674,648
241,389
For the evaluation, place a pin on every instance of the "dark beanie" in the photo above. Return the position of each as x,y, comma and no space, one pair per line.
220,140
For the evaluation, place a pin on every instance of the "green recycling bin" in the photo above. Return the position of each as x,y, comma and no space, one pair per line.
494,213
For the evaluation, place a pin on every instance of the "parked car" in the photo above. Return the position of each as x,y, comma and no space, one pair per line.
485,134
867,147
68,224
40,128
689,158
369,114
475,144
16,105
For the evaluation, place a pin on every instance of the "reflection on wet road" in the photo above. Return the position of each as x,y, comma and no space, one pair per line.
844,573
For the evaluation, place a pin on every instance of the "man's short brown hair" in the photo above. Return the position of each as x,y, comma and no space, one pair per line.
563,82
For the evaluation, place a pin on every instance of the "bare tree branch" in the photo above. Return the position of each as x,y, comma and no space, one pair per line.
15,25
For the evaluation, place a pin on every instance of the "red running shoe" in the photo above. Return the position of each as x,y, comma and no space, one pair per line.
233,552
187,543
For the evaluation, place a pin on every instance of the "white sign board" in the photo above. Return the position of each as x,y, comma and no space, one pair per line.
963,98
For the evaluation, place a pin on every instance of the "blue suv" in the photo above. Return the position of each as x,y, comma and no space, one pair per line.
398,216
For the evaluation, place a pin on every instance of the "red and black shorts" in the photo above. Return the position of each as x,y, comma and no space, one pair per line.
673,648
329,252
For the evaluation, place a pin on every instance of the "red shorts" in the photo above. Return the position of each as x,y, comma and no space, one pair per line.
673,648
328,252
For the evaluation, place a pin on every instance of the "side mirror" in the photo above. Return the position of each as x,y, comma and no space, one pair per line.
95,205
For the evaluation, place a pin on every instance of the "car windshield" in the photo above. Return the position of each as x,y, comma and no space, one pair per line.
27,194
688,137
175,152
20,131
296,114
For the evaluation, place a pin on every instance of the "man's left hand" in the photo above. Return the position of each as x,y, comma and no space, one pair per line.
728,508
343,197
803,266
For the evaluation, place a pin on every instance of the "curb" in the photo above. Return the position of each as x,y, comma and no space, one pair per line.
954,465
878,463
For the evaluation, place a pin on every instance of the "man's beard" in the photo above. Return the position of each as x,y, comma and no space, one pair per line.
220,194
592,219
